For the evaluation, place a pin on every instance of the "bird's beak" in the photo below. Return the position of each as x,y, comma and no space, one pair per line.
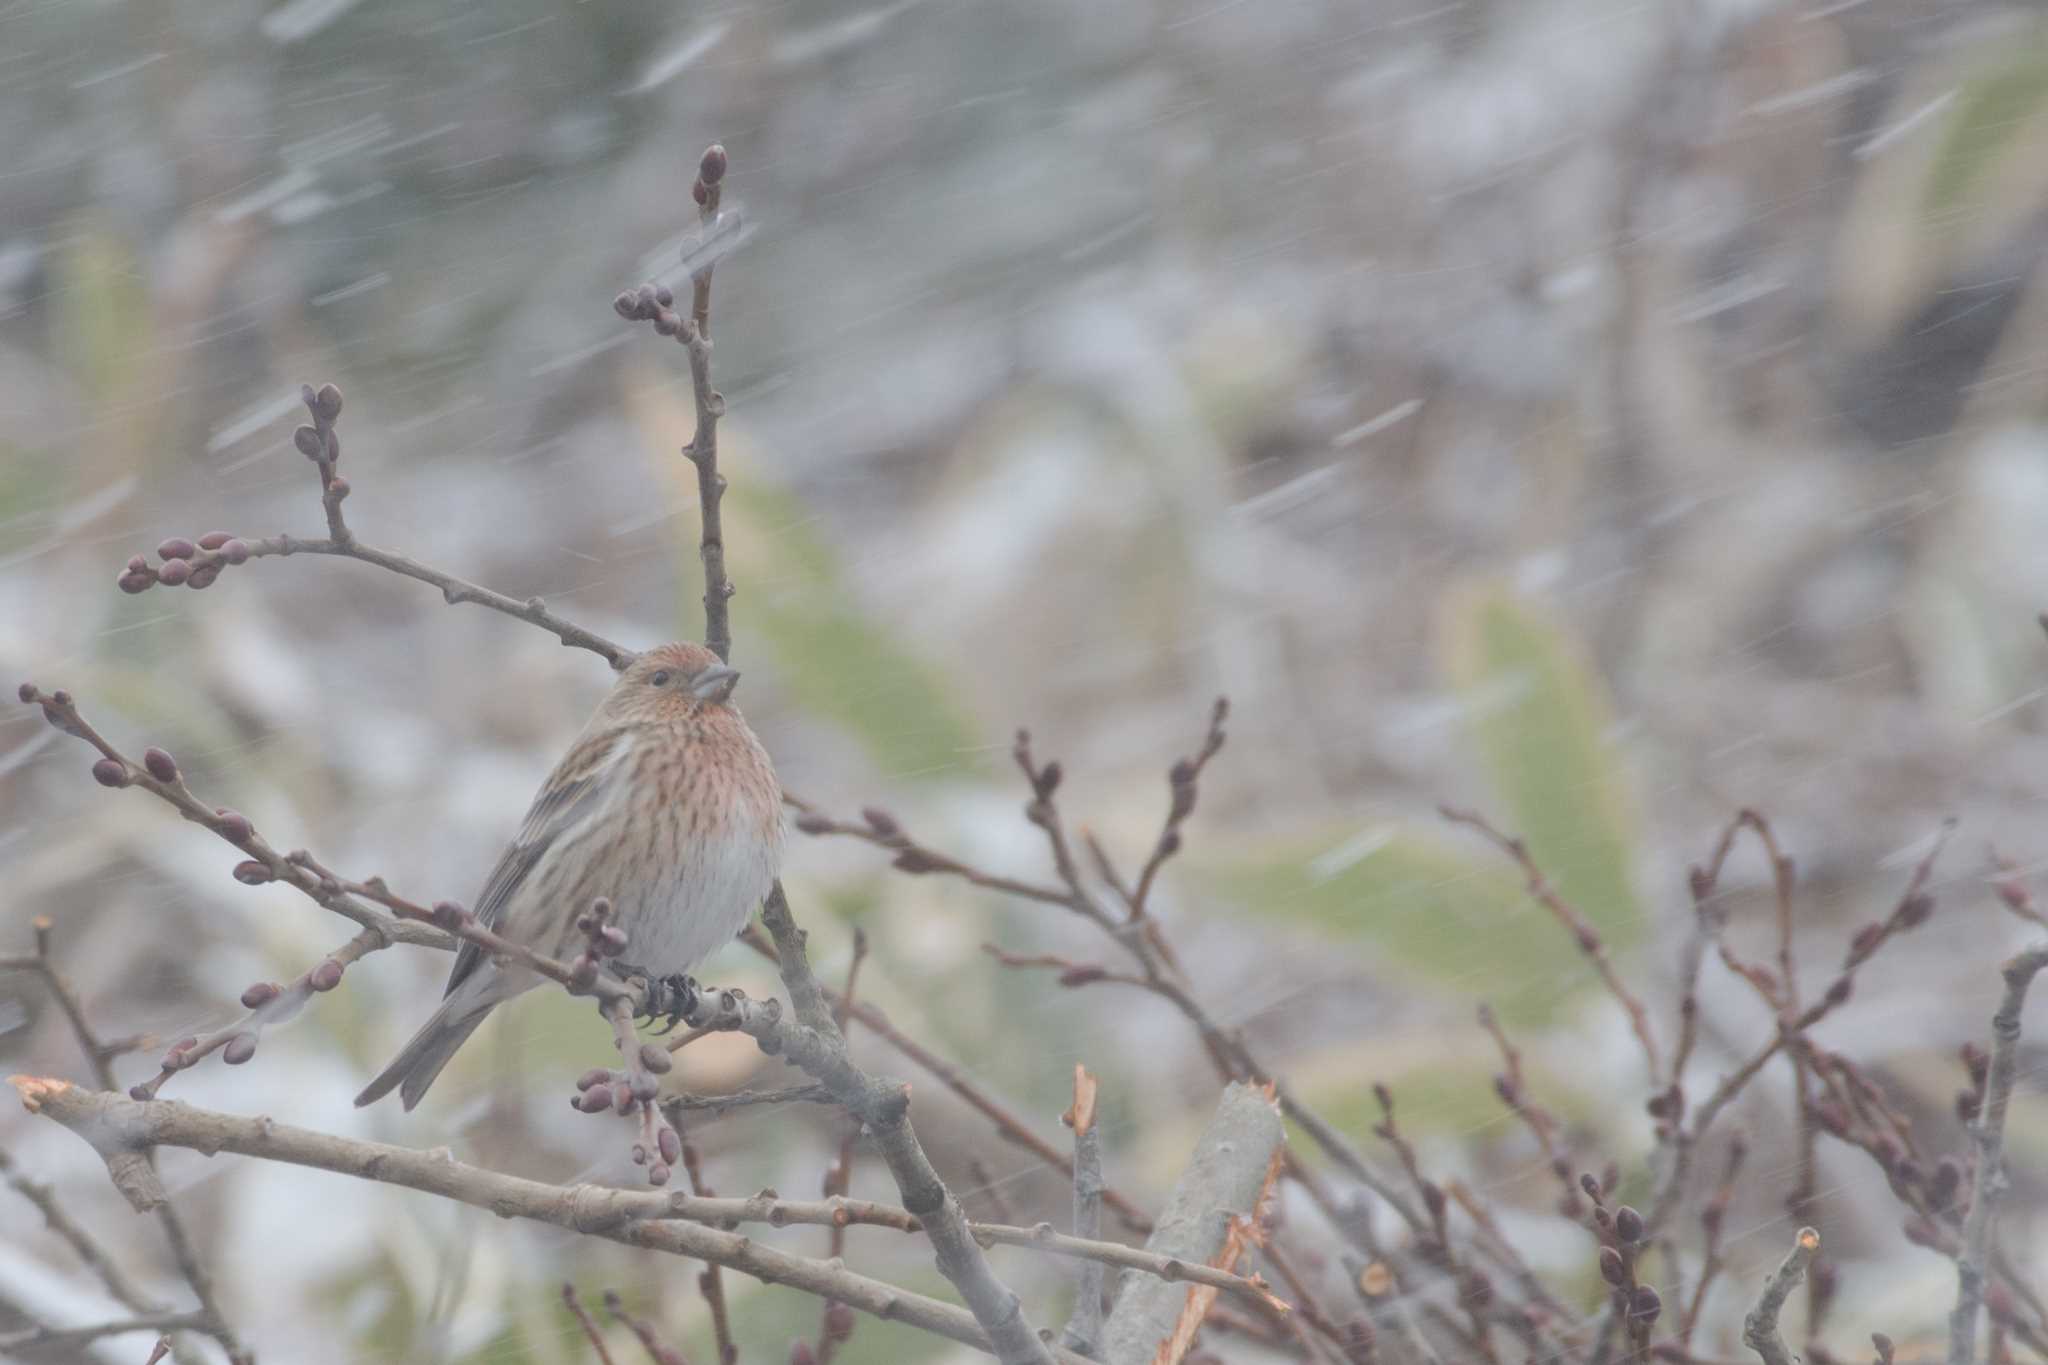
714,683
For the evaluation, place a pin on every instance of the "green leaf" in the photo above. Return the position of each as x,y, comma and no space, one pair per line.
1990,113
1540,721
101,321
1433,907
792,604
829,654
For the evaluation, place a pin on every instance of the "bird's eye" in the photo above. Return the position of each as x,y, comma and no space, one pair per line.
660,679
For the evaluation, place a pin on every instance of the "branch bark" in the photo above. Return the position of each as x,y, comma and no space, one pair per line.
124,1132
1210,1219
1989,1134
1760,1328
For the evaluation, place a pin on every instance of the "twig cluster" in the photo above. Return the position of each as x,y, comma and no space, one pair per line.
1395,1264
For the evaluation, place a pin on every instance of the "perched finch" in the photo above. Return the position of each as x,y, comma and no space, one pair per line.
666,804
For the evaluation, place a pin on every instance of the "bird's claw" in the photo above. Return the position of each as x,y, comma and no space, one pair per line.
671,999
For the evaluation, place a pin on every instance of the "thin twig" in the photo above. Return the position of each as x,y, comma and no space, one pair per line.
1084,1325
197,565
814,1043
1005,1119
584,1320
209,1319
657,1350
1760,1327
834,1327
1989,1134
50,1338
1582,931
122,1130
77,1238
710,1284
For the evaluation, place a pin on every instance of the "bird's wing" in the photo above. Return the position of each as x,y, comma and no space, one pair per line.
574,791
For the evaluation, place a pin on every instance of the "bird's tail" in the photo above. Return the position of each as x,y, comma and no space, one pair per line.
421,1060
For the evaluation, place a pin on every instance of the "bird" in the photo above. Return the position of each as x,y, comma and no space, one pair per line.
666,804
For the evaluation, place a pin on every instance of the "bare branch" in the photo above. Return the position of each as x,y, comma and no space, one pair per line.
1760,1328
211,1319
50,1338
77,1238
814,1043
1989,1134
584,1320
121,1130
1211,1218
1582,931
1084,1325
196,564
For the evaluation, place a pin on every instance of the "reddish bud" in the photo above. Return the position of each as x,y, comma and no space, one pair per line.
699,193
655,1058
881,822
132,583
339,488
627,305
838,1322
326,404
622,1097
1644,1305
583,973
1628,1225
253,873
137,564
240,1049
666,322
1611,1268
1915,911
671,1145
664,296
110,772
204,574
597,1075
807,823
657,1174
800,1353
234,826
27,692
177,547
450,916
307,439
326,976
260,994
235,551
1884,1347
595,1099
711,169
174,573
1082,975
914,861
213,540
161,765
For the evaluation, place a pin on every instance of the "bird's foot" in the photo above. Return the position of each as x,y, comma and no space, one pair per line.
672,999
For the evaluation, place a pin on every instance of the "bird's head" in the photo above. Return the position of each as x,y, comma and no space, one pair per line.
671,682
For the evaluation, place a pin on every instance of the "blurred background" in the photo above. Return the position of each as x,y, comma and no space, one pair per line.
1606,415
